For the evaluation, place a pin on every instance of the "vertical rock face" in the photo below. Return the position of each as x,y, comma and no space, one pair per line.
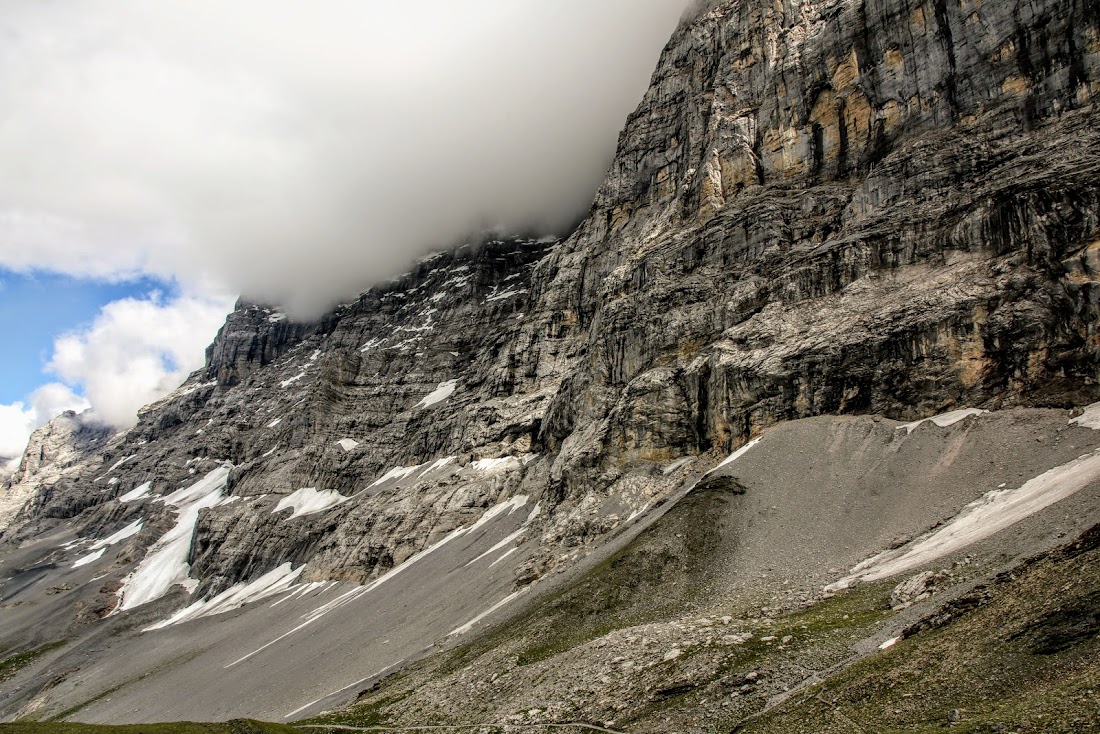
841,206
886,206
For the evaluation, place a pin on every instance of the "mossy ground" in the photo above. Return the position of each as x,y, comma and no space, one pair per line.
1021,654
1025,659
12,664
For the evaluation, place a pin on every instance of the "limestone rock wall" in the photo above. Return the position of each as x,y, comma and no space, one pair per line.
886,206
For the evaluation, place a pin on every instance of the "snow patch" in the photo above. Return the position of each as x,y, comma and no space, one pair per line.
397,473
441,393
114,466
358,592
437,465
347,444
300,590
308,501
944,419
305,368
165,563
91,557
737,454
501,545
995,511
127,532
1089,419
638,512
99,547
275,422
137,493
503,556
271,583
492,466
372,344
356,684
508,293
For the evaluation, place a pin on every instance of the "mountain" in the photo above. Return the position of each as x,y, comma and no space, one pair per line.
671,473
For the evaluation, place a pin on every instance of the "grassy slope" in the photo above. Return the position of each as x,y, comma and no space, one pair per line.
1023,654
12,664
665,573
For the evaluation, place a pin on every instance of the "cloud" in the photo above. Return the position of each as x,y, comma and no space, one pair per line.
18,420
297,152
136,351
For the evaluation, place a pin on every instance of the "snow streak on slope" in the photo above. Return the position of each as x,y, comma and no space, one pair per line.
441,393
945,419
165,564
99,547
271,583
90,558
511,538
737,454
994,512
470,625
137,493
507,507
305,368
309,500
400,473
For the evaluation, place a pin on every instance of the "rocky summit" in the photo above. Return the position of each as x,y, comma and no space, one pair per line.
797,431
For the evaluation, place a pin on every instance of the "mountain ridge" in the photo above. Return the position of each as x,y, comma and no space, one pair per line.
884,208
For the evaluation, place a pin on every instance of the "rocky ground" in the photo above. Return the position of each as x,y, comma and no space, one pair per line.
821,212
720,610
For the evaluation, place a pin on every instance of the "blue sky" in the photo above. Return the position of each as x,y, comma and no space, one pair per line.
37,308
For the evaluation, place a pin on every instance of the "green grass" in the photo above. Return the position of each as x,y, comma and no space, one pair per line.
659,575
370,714
11,665
1027,659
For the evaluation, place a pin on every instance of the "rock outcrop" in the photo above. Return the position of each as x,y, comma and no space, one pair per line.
820,207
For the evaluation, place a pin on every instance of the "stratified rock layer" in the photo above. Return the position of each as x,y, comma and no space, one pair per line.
887,206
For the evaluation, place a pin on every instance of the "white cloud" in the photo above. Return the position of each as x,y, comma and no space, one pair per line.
18,420
137,350
134,352
298,151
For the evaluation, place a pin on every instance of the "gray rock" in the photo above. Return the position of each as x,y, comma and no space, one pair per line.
882,207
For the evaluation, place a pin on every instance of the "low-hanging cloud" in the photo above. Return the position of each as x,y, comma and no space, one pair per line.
297,152
135,351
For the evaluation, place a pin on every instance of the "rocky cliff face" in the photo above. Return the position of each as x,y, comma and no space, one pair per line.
884,206
841,206
818,207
